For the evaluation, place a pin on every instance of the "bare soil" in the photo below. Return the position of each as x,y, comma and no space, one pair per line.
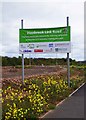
12,72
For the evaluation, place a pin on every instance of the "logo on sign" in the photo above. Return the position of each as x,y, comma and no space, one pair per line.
49,50
56,49
38,50
20,50
31,46
43,45
61,44
23,46
51,45
60,49
27,51
65,30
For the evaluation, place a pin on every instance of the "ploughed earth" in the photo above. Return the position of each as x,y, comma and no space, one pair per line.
13,72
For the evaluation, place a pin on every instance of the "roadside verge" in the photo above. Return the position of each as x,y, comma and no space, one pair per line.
63,100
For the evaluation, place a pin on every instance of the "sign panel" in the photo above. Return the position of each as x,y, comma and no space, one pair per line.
44,40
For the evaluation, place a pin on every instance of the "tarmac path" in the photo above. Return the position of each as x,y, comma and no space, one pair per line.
72,107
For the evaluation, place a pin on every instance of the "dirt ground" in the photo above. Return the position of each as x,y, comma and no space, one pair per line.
12,72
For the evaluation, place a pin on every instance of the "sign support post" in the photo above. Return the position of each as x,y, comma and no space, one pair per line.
22,58
45,40
68,61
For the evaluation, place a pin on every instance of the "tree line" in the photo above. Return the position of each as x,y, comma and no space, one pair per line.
14,61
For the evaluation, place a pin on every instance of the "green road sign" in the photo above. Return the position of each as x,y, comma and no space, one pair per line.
60,34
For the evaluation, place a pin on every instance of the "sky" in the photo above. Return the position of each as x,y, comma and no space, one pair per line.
44,14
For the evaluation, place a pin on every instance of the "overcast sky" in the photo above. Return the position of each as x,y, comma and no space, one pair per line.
41,15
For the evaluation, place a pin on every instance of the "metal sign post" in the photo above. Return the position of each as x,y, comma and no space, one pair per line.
22,58
41,38
68,61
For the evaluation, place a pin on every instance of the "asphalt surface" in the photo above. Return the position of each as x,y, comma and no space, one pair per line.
72,107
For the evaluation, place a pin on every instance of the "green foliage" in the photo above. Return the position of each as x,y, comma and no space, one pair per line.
7,61
38,94
76,83
33,98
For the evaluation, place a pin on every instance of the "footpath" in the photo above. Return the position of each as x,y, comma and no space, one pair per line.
72,107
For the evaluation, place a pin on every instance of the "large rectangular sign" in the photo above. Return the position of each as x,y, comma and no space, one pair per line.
44,40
